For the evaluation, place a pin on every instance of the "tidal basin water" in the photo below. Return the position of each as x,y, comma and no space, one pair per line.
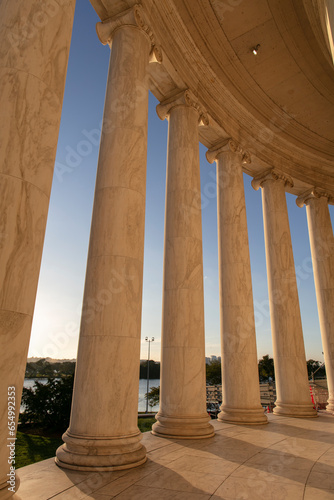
29,383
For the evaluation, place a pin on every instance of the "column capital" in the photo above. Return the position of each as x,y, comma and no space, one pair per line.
184,98
228,146
313,193
272,174
131,17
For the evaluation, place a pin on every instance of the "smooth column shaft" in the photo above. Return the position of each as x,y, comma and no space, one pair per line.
240,379
103,432
292,387
322,250
34,48
182,410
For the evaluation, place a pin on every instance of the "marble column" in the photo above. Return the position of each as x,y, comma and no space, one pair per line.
292,387
240,378
103,433
182,412
34,48
322,251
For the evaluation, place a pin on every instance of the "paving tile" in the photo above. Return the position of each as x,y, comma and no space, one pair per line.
166,459
76,494
233,451
284,431
206,453
229,441
328,456
275,473
147,493
35,486
254,489
321,480
300,447
35,468
239,462
280,458
260,438
93,482
222,426
183,480
203,464
218,440
152,442
164,454
231,432
122,483
326,468
318,494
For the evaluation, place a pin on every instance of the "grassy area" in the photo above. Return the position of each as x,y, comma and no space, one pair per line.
145,424
31,448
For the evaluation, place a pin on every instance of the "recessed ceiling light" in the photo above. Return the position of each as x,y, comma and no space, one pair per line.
255,49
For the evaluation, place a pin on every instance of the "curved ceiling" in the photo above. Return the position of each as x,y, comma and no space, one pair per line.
279,104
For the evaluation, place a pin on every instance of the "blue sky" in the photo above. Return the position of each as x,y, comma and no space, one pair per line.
58,305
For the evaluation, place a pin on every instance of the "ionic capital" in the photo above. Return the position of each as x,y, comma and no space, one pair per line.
228,146
313,193
185,98
271,175
131,17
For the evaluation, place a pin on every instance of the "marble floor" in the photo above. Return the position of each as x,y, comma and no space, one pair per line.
288,458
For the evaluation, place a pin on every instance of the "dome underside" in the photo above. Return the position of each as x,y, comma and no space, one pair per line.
279,104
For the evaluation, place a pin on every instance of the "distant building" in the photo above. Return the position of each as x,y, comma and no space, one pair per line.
268,394
213,394
210,359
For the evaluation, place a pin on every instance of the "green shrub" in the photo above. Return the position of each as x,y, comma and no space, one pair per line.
48,405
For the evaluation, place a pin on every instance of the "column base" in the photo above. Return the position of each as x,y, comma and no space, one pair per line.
183,427
6,494
242,416
305,410
330,406
100,454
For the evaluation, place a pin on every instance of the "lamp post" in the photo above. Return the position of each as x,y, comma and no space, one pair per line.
148,370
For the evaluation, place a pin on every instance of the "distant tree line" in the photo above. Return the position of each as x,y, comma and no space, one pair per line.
48,405
266,370
45,369
154,369
316,366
